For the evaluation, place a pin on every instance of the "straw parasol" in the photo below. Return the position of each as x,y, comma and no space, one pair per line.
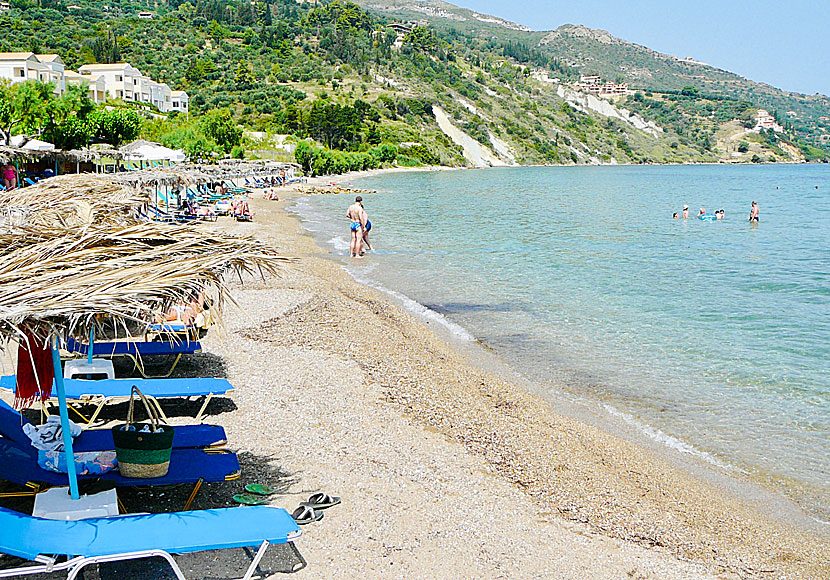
83,253
73,201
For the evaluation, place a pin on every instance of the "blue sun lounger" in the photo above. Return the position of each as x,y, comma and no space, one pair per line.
186,436
107,390
18,464
136,350
130,537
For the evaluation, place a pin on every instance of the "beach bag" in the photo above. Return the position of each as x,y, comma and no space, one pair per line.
143,449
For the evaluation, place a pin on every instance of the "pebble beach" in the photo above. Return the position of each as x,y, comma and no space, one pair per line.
446,470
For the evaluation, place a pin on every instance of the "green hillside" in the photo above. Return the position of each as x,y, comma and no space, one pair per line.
334,72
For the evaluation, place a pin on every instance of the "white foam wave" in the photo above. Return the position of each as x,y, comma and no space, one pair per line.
417,308
339,243
667,440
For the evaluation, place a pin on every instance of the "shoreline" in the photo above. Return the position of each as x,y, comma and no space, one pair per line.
616,488
788,500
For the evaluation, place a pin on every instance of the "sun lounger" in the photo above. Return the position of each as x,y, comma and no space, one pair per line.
130,537
109,390
18,464
185,436
136,350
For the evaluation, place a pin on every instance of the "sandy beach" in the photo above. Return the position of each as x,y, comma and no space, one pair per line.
446,470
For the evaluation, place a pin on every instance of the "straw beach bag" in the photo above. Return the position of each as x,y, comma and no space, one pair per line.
143,449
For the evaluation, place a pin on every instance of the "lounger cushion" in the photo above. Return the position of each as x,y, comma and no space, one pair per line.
188,387
18,464
135,348
11,426
179,532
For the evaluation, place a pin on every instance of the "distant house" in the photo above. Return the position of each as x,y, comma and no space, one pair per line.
593,84
124,81
5,6
96,84
763,120
73,7
401,30
181,102
145,15
20,67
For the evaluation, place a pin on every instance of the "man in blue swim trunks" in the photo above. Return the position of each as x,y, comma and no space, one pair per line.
356,216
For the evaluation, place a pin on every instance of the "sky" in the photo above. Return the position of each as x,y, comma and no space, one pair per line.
784,44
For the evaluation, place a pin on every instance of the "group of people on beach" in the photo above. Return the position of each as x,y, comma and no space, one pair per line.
718,215
359,227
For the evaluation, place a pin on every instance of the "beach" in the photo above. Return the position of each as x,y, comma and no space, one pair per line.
447,470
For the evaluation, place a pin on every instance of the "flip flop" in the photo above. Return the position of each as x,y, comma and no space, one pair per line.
246,499
259,489
321,501
306,515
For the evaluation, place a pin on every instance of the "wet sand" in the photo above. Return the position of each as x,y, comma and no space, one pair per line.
447,470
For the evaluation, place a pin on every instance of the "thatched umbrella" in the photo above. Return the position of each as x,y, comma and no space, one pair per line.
57,278
73,201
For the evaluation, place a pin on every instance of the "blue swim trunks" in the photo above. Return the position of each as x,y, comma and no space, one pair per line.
355,226
368,225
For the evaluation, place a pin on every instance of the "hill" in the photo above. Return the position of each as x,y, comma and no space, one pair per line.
456,87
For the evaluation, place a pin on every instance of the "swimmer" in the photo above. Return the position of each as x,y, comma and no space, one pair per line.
685,212
675,216
719,214
355,214
753,212
702,212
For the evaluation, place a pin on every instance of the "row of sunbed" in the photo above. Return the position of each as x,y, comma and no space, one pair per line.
197,457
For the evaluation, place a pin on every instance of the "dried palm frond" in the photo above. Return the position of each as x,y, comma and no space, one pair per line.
62,279
73,201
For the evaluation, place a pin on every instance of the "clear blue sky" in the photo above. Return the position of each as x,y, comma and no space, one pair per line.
783,43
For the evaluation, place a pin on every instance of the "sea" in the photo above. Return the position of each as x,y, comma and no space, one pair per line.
709,338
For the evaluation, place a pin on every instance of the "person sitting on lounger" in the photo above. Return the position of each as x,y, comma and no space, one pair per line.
185,312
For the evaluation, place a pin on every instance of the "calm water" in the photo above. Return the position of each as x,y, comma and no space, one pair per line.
717,334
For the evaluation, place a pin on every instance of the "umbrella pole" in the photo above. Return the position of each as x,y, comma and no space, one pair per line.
67,435
91,344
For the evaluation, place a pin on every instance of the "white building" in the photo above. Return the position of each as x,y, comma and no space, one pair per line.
20,67
766,121
181,101
124,81
96,84
52,71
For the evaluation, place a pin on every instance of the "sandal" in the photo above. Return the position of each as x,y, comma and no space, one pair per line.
321,501
259,489
306,515
246,499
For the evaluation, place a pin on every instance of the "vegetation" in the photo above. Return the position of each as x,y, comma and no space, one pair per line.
330,74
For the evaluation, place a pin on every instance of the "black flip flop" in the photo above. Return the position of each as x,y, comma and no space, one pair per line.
306,515
321,501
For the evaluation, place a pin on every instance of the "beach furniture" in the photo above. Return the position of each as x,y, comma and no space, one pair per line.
184,436
136,350
19,464
129,537
105,391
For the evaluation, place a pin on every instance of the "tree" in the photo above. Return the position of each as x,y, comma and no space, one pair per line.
690,91
115,126
220,126
24,107
244,77
70,126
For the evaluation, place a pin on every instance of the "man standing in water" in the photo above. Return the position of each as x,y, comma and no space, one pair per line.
753,213
356,216
367,226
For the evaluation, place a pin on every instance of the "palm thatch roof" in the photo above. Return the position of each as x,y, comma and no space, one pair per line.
61,280
72,201
81,251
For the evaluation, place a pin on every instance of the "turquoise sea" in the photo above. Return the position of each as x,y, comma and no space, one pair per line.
712,338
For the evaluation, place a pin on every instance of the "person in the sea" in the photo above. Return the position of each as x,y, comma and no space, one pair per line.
719,214
356,214
685,212
674,216
367,225
753,212
701,212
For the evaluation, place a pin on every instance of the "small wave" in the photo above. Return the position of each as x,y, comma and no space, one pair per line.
339,243
417,308
669,441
